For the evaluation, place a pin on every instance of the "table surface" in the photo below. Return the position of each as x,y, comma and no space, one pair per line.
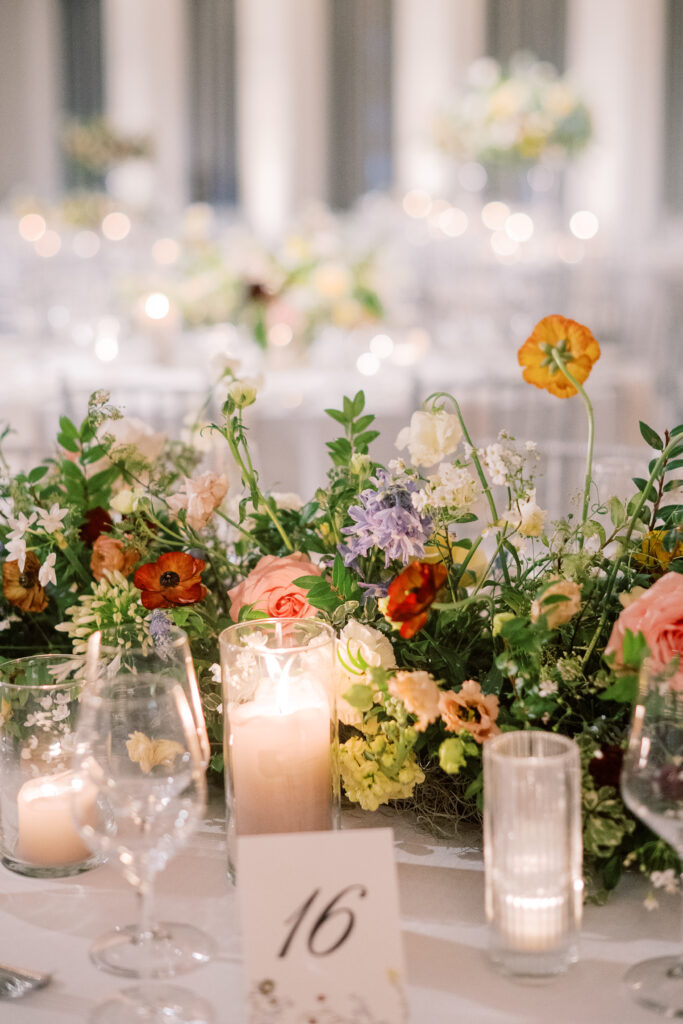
48,925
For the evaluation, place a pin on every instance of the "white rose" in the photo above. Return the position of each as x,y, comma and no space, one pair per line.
359,641
430,437
287,500
126,501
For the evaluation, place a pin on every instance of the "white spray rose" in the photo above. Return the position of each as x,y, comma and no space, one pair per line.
357,641
431,437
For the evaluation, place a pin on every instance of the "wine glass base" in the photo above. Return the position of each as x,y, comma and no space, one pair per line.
148,1004
658,985
171,949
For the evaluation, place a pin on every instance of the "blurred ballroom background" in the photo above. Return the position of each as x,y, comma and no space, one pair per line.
343,194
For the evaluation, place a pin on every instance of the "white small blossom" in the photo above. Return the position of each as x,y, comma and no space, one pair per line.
46,573
215,671
450,487
20,525
650,902
7,623
16,552
527,517
244,391
52,520
666,880
547,688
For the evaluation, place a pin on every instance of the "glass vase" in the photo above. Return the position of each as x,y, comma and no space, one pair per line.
533,851
39,698
280,728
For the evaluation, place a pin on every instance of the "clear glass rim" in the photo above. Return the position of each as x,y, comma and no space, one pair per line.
58,658
495,747
325,634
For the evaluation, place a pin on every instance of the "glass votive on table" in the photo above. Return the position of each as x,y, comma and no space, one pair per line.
280,733
39,698
533,851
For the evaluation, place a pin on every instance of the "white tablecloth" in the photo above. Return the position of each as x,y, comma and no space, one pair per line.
48,925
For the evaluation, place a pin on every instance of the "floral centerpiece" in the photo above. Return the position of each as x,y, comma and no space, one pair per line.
282,294
460,610
515,116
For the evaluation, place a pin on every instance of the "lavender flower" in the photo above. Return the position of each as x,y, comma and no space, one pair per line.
160,628
387,520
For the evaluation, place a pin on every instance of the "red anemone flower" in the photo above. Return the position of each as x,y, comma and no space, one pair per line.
174,579
411,594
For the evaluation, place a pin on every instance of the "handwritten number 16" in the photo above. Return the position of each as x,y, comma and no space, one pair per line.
332,910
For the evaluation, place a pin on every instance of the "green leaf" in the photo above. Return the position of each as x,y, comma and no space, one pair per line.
651,436
452,755
72,472
634,648
369,300
88,430
672,485
359,696
474,787
675,464
646,488
676,430
67,442
617,512
306,582
260,335
98,451
67,428
362,423
335,414
366,438
358,403
348,408
37,474
624,690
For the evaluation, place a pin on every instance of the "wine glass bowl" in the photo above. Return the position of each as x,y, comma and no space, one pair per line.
652,787
140,793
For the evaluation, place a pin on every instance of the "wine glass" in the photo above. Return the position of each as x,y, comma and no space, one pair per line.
652,787
140,792
164,652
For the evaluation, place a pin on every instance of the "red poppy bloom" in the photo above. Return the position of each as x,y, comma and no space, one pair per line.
174,579
411,595
97,521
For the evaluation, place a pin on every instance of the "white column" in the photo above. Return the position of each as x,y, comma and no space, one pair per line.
146,90
434,42
281,108
30,92
616,56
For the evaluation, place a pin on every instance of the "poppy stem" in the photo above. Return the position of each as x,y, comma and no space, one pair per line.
562,366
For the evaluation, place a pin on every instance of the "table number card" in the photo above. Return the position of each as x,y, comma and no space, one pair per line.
321,928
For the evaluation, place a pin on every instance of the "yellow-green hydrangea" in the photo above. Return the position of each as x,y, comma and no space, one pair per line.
364,781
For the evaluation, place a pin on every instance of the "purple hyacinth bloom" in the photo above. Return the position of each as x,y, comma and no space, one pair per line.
160,628
387,520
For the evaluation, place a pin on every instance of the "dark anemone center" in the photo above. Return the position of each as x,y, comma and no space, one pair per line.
169,579
27,580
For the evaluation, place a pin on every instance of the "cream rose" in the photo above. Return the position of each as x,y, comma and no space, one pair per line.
420,694
430,437
557,613
357,641
199,497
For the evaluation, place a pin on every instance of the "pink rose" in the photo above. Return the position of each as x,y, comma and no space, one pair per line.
658,615
269,587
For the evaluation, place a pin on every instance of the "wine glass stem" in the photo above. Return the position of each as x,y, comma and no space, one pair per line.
145,899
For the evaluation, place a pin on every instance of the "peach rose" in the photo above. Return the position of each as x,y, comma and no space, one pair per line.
419,693
269,587
199,497
557,613
658,615
111,554
470,710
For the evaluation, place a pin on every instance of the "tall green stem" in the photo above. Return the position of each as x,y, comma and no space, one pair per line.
562,367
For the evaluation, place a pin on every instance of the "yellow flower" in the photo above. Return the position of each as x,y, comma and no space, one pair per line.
151,753
574,343
365,782
652,555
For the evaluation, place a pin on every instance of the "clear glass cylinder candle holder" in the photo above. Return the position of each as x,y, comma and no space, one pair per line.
533,851
39,698
280,728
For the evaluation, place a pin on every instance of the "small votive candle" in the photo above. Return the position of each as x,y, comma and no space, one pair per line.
47,834
532,851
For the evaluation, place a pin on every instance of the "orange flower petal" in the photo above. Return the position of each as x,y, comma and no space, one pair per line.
582,349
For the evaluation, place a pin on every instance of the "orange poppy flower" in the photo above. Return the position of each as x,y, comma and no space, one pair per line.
574,343
22,589
412,593
174,579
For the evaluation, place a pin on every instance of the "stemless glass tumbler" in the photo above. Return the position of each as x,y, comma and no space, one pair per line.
38,704
533,851
280,728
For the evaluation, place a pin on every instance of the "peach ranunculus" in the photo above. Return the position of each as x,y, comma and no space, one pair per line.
557,613
420,694
470,710
270,589
658,615
111,554
574,343
199,496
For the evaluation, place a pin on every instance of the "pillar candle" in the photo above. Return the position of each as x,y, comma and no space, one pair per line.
47,834
280,768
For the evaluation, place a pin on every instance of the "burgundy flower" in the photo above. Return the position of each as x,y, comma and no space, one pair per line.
97,521
605,766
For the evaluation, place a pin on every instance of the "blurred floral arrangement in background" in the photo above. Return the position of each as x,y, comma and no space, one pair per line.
96,146
460,610
519,115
